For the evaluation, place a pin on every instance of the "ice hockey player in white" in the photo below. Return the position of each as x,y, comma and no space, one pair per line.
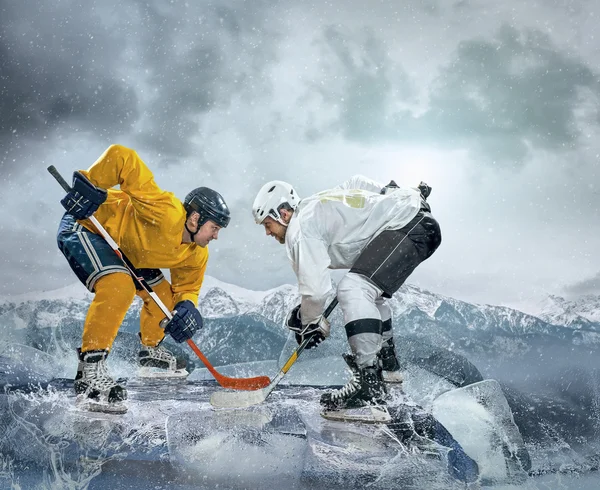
381,234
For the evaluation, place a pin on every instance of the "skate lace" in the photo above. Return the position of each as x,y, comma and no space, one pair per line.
96,375
160,353
350,387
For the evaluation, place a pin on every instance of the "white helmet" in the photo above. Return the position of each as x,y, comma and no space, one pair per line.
270,197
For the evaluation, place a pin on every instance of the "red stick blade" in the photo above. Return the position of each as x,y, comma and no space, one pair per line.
247,384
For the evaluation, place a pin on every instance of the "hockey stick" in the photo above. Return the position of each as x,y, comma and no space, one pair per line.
225,381
231,399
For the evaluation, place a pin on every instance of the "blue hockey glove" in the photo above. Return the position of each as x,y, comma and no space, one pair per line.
317,331
84,198
185,323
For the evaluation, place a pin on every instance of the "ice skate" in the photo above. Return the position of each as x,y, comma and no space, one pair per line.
96,390
160,363
360,400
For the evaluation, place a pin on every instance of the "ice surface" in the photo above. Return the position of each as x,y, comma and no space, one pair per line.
252,448
45,443
172,426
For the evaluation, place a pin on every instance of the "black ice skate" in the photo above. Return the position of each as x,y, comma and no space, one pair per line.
392,372
361,399
96,390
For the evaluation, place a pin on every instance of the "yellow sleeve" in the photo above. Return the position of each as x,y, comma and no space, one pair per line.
122,166
186,283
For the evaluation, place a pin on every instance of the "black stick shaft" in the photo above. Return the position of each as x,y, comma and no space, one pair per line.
59,178
331,307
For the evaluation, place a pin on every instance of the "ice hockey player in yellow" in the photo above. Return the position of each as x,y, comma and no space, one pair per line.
155,231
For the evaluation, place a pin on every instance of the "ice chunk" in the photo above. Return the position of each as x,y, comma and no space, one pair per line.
479,418
449,365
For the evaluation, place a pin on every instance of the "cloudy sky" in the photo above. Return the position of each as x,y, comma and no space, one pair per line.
495,104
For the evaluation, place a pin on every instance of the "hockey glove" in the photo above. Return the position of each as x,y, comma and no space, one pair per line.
425,190
293,321
391,187
84,198
317,331
185,323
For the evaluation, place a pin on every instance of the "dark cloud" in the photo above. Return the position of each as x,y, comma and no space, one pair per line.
144,69
197,60
362,81
505,95
498,97
590,285
58,70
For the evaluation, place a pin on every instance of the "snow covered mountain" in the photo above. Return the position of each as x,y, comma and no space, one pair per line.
582,313
448,323
223,300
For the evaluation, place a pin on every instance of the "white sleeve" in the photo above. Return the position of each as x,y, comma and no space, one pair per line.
310,261
361,182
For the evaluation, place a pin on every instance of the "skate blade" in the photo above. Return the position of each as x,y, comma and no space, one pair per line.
88,405
393,377
157,373
367,415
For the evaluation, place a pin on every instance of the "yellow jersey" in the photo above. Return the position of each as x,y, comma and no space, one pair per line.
146,221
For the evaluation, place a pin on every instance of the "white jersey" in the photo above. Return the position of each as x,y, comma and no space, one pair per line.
330,229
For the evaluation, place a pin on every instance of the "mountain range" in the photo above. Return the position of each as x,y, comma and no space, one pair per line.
246,325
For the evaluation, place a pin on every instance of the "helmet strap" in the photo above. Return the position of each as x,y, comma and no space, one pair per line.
198,226
192,233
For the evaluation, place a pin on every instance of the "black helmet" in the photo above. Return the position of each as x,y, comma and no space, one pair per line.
209,204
